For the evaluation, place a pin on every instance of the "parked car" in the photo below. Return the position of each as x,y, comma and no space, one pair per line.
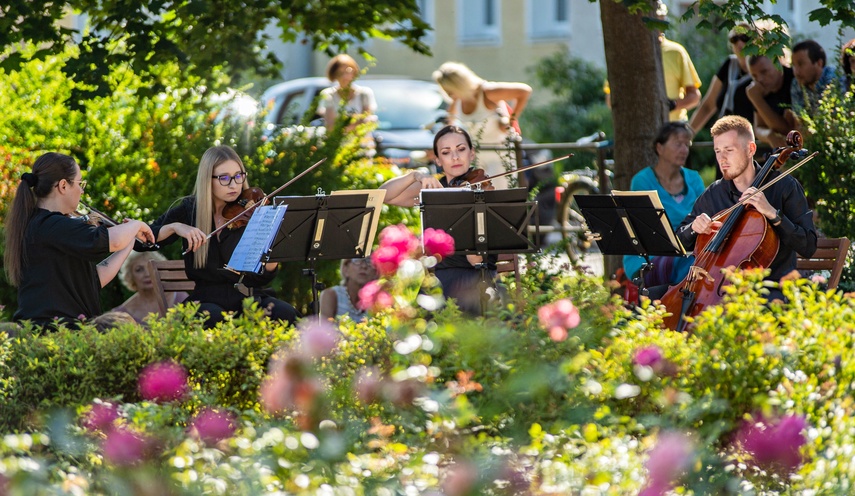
407,112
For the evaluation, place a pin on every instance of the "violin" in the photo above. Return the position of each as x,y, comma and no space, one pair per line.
473,177
239,209
744,239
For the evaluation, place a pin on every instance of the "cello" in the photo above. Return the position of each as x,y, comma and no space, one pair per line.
744,240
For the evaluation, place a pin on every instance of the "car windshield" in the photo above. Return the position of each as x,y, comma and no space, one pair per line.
406,106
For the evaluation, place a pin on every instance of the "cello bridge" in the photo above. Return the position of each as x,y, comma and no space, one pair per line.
696,272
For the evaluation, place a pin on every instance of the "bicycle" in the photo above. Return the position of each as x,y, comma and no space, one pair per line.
579,182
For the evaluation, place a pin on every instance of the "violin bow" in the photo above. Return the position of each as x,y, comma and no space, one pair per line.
521,169
112,222
762,188
262,201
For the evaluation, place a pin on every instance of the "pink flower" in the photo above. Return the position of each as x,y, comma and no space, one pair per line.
438,242
123,447
163,382
318,338
400,238
775,445
372,297
386,260
212,426
648,356
101,417
460,479
558,317
397,243
667,460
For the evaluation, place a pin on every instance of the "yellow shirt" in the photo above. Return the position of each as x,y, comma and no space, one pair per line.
679,73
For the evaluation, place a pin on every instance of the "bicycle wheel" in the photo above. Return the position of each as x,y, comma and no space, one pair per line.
571,221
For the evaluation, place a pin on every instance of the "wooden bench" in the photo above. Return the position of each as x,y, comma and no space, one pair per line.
168,276
830,255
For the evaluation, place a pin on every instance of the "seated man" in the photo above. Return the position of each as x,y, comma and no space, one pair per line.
783,204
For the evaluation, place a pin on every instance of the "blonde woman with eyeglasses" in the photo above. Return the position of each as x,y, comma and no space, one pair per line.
220,180
58,263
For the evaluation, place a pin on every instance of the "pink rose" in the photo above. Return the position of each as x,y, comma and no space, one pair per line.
123,447
372,297
438,242
163,382
666,462
318,338
558,317
775,445
400,238
101,417
648,356
386,260
212,426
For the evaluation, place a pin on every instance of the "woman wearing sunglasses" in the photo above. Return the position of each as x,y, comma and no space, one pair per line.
220,180
58,263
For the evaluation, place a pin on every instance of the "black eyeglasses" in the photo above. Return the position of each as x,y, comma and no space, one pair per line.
226,179
739,37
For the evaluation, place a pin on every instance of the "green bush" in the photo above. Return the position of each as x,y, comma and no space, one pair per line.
68,368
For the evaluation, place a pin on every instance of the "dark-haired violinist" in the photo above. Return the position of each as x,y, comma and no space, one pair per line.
783,205
59,263
220,180
454,154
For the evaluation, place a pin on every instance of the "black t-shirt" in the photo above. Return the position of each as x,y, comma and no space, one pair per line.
781,100
741,104
214,284
796,232
59,279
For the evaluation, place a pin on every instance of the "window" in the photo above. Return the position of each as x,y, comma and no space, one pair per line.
548,19
427,13
479,22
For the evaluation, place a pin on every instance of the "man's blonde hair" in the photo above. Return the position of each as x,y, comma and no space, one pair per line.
733,123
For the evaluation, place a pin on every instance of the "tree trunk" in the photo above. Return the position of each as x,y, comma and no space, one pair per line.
639,103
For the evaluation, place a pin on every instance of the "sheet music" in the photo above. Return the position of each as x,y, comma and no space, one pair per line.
369,223
653,195
257,238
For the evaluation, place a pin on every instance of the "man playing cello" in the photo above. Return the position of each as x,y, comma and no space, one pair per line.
783,204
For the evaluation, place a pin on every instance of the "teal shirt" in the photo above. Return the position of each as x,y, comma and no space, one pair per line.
645,180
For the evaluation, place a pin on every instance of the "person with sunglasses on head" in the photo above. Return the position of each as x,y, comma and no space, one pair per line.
343,299
726,93
219,181
59,263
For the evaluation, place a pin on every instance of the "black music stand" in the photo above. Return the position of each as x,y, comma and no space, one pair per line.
254,243
482,223
630,223
323,227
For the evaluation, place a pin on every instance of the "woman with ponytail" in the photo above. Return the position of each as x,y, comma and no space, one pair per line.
59,263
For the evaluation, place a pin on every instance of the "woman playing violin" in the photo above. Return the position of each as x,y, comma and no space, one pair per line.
454,154
219,182
783,204
58,263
